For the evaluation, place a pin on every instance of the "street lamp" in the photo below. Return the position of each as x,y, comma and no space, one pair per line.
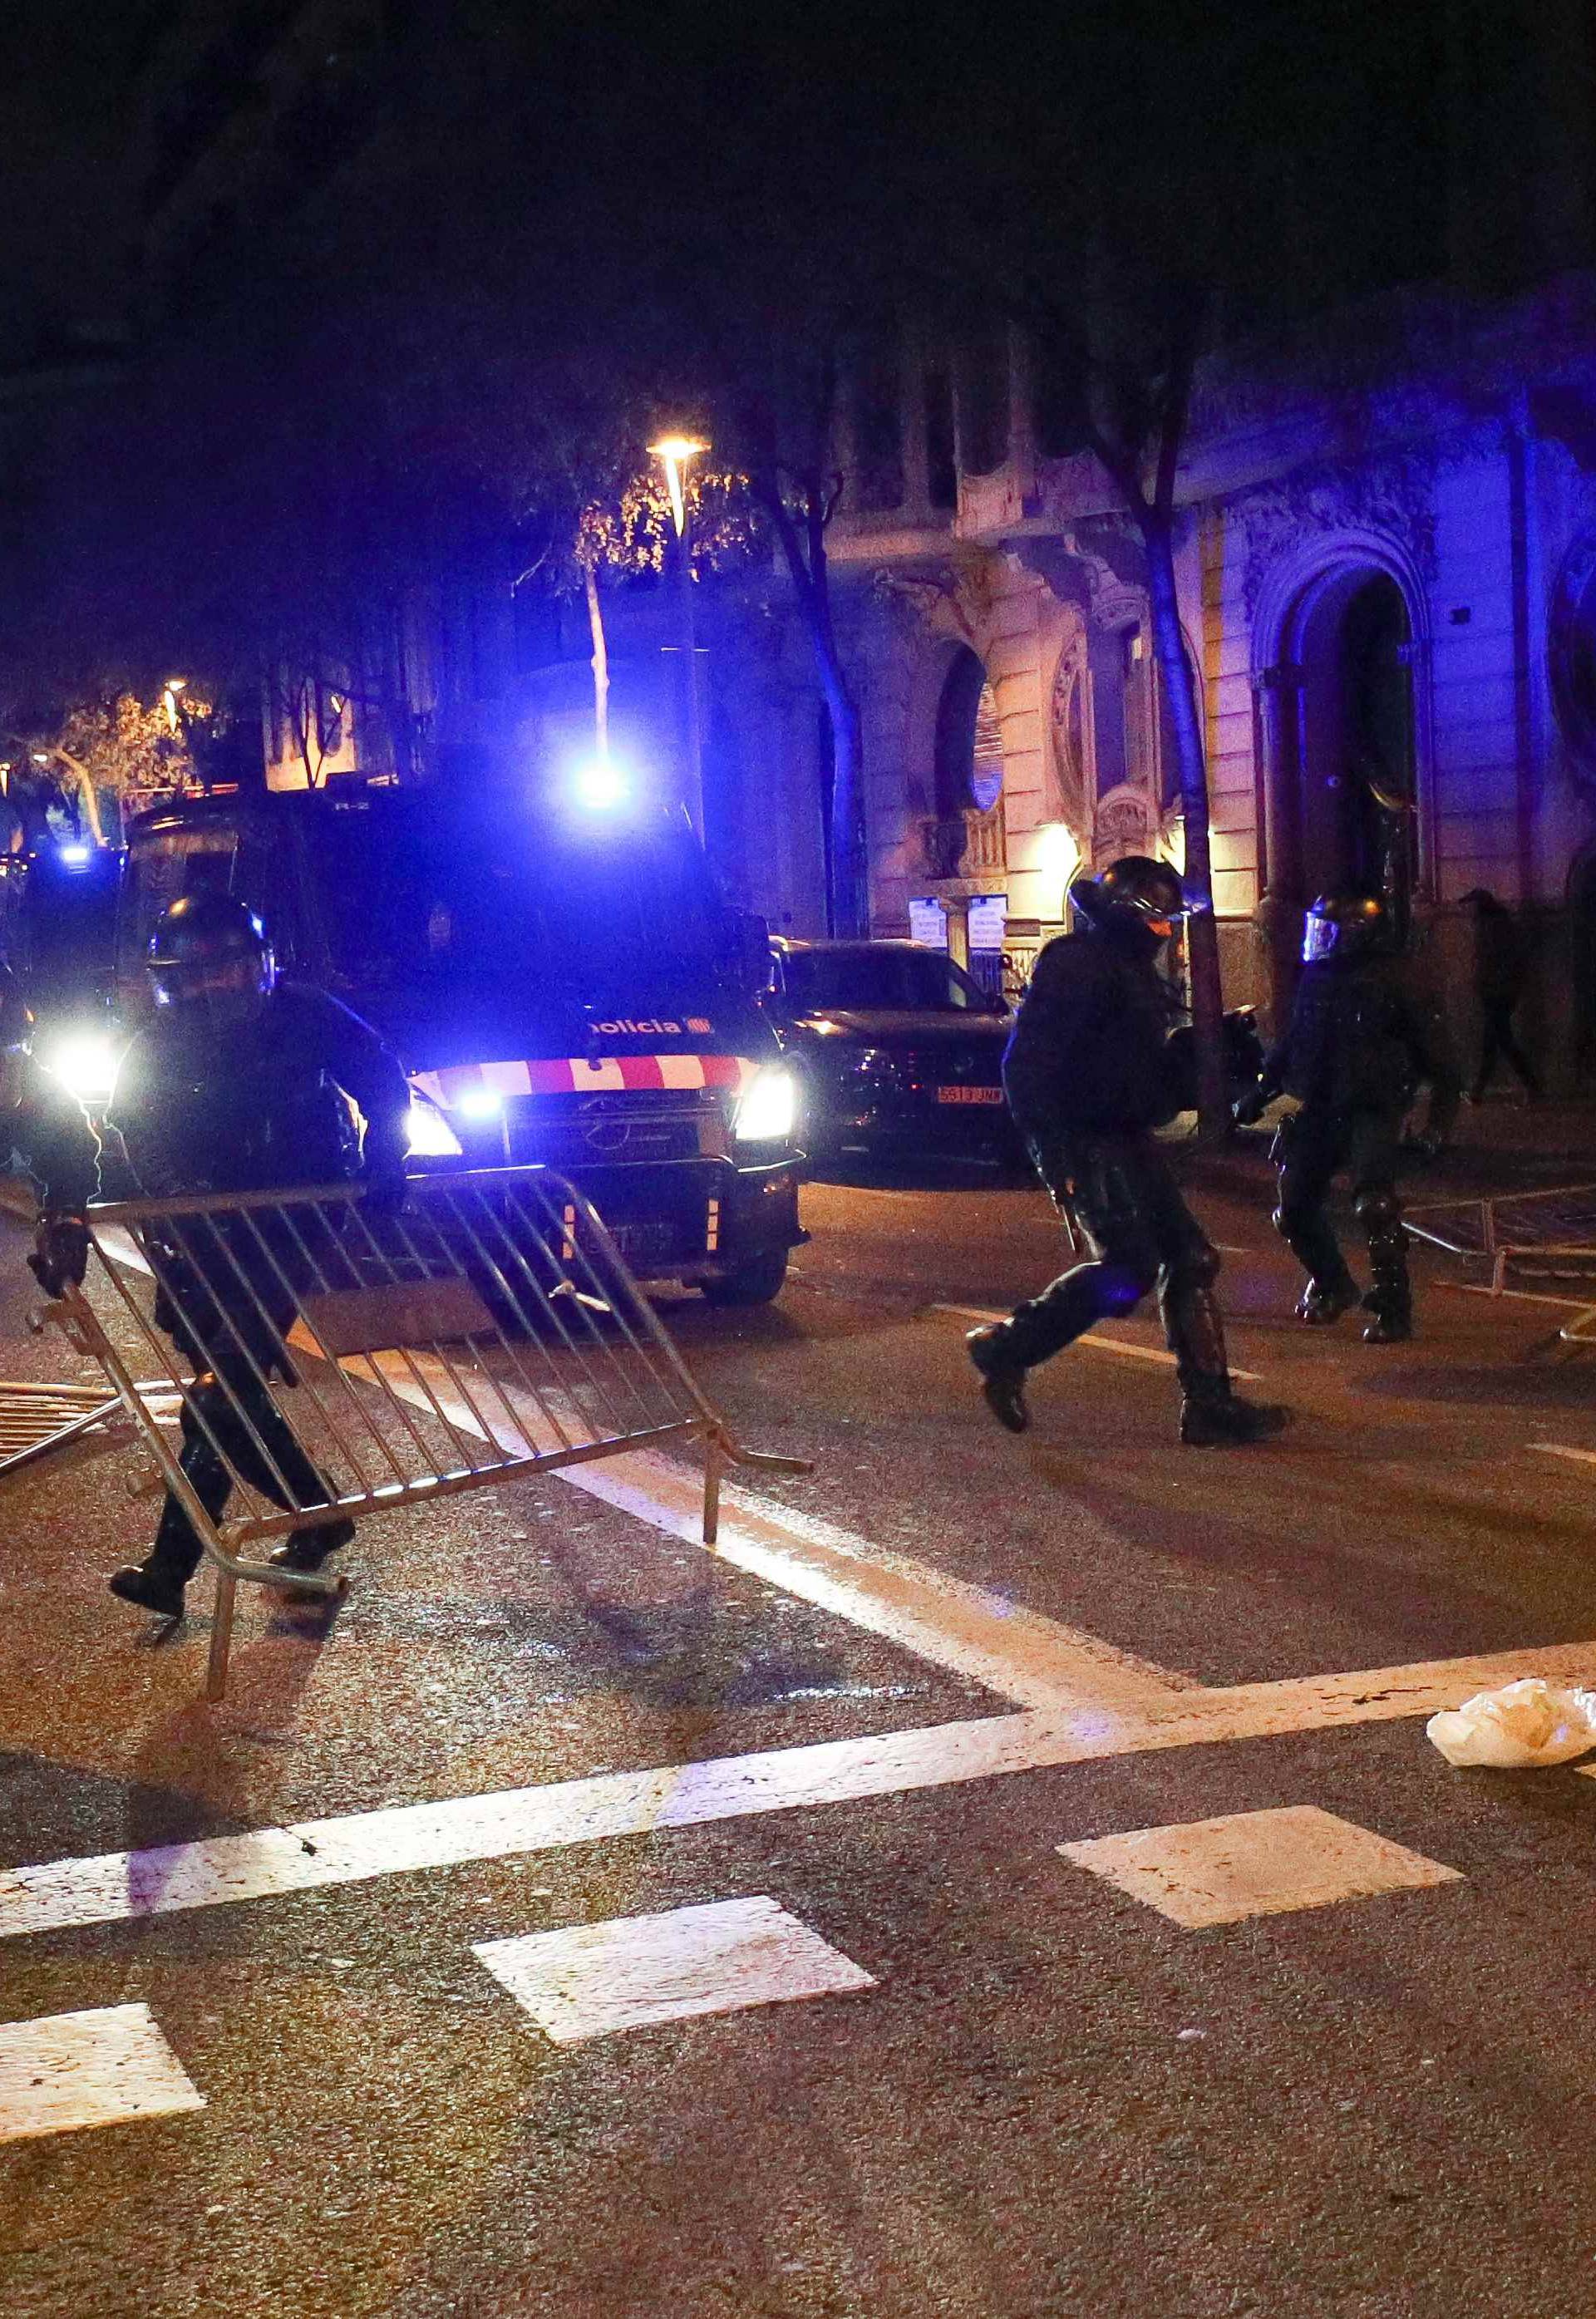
674,453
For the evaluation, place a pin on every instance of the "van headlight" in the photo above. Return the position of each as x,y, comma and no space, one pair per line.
431,1136
85,1062
768,1112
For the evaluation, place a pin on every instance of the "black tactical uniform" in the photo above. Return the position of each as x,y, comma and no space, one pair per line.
243,1083
45,1135
1355,1053
1088,1078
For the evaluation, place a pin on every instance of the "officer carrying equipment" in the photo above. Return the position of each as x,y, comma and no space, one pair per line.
1089,1077
242,1083
1355,1053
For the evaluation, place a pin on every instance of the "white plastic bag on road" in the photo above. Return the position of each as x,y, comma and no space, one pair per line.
1523,1724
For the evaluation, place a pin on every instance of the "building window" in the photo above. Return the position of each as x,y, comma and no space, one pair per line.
983,403
1573,654
1069,721
969,742
877,419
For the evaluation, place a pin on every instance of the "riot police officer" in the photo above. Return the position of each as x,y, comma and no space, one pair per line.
1088,1078
243,1082
1355,1053
46,1136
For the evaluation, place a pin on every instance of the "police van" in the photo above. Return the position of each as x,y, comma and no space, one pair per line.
561,979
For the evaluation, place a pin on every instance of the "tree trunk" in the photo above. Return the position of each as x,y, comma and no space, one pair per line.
1174,671
589,579
849,909
847,901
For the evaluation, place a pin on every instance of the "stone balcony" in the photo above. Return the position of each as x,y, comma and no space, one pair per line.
970,845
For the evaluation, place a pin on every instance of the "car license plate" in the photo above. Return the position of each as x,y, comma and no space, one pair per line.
970,1095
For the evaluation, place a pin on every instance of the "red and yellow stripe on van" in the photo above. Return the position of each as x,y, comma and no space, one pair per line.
583,1075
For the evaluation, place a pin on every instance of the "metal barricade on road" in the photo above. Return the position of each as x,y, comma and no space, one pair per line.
327,1362
1549,1235
37,1418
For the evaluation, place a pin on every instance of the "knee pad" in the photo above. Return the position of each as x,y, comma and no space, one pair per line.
1379,1212
1197,1266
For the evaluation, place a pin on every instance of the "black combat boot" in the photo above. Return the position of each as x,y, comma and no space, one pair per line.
149,1587
1391,1294
1392,1320
1003,1378
303,1552
1322,1302
1211,1414
1213,1421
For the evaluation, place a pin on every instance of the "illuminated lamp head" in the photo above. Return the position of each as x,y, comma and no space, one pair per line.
599,785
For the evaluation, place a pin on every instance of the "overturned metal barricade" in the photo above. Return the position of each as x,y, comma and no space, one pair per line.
38,1418
1542,1233
327,1361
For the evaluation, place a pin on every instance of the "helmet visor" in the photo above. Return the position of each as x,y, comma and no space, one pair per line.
228,984
1320,937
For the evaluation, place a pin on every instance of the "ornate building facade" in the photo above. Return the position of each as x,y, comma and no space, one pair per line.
1388,577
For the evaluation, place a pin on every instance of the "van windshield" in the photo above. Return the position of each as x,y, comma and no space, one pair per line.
408,896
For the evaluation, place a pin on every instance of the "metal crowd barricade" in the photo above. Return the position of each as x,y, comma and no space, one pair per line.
37,1418
1541,1232
327,1362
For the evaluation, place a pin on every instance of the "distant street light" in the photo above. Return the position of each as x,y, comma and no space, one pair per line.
674,453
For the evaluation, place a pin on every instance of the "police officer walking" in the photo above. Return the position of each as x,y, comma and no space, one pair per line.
242,1082
1088,1077
1355,1053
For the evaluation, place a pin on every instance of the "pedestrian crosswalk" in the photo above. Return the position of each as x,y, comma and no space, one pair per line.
590,1981
113,2066
1256,1863
105,2066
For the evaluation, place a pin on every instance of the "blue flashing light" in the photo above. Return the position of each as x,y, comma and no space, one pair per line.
480,1103
599,785
76,857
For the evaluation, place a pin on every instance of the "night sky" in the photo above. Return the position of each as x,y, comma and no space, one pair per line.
1312,132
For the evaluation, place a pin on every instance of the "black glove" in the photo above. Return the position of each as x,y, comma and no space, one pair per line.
385,1195
61,1254
1250,1106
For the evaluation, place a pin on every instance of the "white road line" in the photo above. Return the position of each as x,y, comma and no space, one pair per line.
1094,1341
1024,1657
1521,1295
100,2068
120,1886
1255,1863
589,1980
1560,1450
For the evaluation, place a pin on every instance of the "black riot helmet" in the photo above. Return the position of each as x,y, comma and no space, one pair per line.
209,953
1346,926
1136,897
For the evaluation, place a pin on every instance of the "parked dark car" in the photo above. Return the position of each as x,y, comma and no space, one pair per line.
898,1049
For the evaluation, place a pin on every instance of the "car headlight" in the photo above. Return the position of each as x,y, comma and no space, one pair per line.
431,1136
85,1062
768,1112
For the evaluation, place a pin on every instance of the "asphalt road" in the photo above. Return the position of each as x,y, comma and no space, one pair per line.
909,2058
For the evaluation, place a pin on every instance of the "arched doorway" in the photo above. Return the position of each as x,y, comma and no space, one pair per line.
1346,803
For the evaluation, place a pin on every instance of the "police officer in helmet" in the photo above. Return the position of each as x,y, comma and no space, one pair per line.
1088,1079
1355,1053
244,1082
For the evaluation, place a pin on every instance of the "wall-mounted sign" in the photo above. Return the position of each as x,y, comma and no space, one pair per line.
928,922
988,914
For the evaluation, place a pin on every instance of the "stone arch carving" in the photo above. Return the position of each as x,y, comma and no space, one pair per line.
1070,755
